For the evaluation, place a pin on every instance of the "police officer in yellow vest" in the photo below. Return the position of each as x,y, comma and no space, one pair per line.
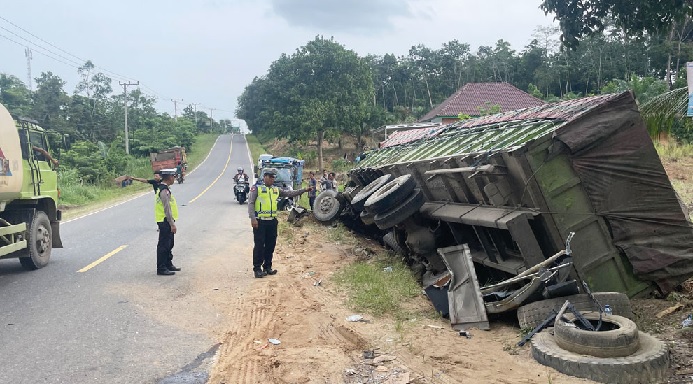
166,213
262,209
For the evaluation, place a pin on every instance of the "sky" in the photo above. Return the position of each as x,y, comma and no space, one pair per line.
206,51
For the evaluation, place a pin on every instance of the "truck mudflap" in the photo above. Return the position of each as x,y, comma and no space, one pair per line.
55,235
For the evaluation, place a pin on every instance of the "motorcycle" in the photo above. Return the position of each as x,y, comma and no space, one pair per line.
180,178
241,191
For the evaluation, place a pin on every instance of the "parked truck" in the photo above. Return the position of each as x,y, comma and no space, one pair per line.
170,159
29,214
289,176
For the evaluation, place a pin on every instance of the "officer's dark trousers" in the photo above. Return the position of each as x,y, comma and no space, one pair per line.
164,246
265,236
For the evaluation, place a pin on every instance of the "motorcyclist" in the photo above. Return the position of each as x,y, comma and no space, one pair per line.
241,175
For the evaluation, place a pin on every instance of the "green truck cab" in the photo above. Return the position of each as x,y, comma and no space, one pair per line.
29,215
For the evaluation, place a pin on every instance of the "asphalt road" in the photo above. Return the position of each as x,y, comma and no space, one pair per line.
98,313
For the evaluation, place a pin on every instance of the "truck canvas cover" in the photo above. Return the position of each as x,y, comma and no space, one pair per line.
585,165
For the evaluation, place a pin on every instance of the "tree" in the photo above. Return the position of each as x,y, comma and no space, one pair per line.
14,95
581,18
322,86
50,102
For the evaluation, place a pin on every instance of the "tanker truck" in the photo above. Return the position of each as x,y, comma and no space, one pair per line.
29,215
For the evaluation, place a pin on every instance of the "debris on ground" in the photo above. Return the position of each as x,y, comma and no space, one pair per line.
669,310
355,318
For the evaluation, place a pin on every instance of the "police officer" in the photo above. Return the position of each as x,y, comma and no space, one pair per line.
166,213
262,210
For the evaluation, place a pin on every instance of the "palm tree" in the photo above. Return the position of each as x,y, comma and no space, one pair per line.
663,111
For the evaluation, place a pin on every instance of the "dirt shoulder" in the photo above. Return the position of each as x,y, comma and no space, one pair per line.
305,310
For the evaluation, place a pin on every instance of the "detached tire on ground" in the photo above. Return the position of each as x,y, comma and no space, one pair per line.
390,194
39,243
360,198
532,314
649,364
619,339
401,212
327,206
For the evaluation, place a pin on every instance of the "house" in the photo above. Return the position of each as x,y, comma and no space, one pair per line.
473,98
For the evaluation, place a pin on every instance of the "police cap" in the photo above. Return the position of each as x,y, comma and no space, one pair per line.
269,171
165,172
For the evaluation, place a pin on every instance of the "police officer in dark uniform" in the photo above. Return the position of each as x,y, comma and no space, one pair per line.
166,213
262,210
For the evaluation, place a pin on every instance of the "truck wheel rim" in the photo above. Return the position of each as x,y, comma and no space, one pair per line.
42,239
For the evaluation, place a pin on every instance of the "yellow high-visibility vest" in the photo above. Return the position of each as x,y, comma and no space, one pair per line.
159,213
266,202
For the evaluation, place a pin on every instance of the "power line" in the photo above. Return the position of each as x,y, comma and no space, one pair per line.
81,61
75,61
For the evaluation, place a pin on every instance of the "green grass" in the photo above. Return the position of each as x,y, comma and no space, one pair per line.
256,149
77,197
673,151
200,149
372,289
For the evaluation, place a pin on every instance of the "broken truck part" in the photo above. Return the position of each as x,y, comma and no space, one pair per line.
514,185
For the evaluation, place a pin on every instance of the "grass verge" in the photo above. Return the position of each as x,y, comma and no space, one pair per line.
256,149
381,286
673,151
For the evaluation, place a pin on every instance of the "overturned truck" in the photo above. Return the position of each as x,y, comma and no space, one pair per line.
510,188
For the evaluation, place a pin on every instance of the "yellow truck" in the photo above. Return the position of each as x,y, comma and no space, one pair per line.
29,215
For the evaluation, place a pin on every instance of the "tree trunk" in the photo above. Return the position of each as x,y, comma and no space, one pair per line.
339,142
669,57
430,101
320,137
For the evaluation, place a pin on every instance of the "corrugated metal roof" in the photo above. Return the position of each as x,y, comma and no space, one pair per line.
500,132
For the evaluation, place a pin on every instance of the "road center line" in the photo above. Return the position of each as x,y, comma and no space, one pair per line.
102,259
228,160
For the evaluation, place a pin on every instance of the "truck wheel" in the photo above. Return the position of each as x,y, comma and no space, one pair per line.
401,212
532,314
326,207
360,198
391,242
390,194
39,243
619,337
649,364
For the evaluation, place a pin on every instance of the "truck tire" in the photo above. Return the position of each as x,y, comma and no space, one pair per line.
401,212
619,340
360,198
326,207
390,194
532,314
39,243
391,243
649,364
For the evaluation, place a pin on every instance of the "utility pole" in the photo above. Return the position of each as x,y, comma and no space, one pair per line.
211,121
125,101
175,108
195,112
27,53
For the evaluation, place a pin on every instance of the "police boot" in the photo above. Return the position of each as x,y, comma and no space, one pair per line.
259,274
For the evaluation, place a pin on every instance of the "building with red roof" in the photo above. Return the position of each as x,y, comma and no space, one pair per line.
473,98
